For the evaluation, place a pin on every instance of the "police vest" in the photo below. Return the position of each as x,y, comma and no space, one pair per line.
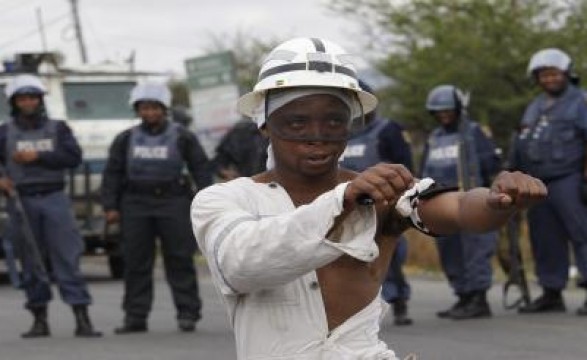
41,140
154,158
362,150
442,162
550,145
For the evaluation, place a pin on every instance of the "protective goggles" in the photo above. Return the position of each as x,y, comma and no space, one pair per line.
293,128
334,127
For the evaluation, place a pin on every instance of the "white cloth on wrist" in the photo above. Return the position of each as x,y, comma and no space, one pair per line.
407,205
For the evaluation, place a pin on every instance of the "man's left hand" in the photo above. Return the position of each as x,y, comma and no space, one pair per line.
515,190
25,156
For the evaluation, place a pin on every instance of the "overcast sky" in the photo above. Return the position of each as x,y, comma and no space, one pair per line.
163,32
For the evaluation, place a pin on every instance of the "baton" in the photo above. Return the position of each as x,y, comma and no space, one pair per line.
30,246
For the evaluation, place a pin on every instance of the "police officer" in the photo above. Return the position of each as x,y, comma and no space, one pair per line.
35,152
180,115
144,186
382,140
465,258
551,147
241,152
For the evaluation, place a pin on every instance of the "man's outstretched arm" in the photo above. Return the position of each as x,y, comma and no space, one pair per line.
481,209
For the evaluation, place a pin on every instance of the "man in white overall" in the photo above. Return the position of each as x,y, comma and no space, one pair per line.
298,261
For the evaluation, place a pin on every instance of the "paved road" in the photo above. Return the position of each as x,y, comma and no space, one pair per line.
506,336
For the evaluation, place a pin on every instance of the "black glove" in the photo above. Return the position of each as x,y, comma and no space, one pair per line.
584,191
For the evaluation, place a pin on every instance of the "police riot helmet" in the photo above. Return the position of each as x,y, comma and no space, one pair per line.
155,92
550,58
25,84
444,97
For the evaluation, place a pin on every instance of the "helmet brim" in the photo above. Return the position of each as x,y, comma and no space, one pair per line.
29,90
249,102
441,108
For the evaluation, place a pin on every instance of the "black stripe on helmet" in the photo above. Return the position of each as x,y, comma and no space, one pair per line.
318,44
320,66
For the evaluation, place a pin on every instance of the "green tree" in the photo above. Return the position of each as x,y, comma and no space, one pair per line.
482,46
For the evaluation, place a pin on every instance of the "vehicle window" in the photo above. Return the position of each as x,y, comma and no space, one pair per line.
97,101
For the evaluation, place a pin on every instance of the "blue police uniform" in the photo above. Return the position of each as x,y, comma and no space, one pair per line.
465,257
145,181
40,185
154,158
382,141
362,150
243,148
551,147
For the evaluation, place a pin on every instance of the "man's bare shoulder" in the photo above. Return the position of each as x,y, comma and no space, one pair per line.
263,178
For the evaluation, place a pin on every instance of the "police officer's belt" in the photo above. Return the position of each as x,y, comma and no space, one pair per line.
159,189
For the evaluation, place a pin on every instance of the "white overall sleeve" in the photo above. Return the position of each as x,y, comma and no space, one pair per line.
246,252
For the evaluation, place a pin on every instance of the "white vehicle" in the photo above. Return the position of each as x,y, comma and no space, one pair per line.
94,102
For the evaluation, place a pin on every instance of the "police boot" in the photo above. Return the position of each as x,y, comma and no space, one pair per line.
400,313
463,298
186,325
40,326
551,300
186,322
476,307
84,327
132,325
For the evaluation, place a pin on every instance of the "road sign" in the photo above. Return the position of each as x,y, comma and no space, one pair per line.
211,70
214,113
213,96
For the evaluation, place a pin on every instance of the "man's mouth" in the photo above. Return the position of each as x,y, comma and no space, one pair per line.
319,159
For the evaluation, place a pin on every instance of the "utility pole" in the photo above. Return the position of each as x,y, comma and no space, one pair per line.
78,31
42,29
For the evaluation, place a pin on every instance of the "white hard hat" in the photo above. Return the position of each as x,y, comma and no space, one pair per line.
25,84
151,92
306,62
552,57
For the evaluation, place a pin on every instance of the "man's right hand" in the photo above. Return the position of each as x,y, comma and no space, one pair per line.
384,183
112,216
6,184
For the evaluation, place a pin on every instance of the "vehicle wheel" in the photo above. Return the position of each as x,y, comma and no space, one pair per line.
116,264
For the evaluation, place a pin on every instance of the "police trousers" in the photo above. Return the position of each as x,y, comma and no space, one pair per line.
59,241
146,218
466,260
395,286
553,223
